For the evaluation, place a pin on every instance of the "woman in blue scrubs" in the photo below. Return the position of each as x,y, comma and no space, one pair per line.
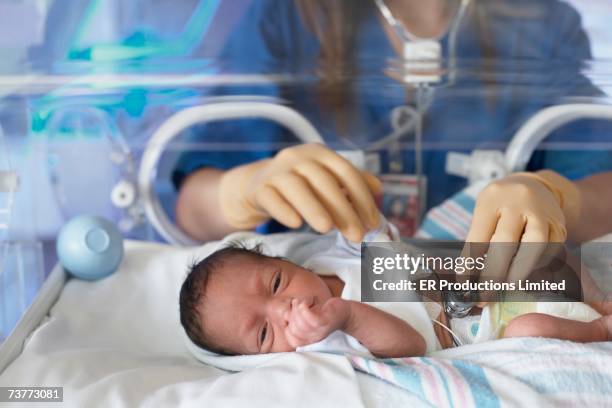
514,59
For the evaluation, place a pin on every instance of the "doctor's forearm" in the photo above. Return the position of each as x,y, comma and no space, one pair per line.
595,208
198,211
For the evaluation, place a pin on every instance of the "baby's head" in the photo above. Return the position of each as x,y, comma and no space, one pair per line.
237,300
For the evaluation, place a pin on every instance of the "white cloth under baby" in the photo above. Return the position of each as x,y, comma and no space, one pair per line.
344,261
488,326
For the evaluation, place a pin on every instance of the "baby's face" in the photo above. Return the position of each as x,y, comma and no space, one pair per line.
248,300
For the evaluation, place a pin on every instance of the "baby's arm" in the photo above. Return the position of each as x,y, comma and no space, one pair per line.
383,334
543,325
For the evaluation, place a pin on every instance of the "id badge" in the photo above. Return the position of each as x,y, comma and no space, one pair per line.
402,201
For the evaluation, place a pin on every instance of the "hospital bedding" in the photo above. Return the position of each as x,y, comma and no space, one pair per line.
527,372
117,342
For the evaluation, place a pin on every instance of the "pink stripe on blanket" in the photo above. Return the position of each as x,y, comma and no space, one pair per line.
455,214
462,215
459,383
432,385
446,223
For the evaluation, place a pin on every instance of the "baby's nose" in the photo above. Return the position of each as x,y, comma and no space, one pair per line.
279,310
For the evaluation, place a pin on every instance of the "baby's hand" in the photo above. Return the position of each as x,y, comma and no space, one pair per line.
309,324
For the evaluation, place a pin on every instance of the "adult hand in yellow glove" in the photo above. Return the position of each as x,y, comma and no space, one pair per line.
525,208
307,182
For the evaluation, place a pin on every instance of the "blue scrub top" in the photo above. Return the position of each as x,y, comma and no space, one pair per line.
525,56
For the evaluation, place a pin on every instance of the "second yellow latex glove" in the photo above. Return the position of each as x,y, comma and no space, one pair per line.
516,213
307,182
528,207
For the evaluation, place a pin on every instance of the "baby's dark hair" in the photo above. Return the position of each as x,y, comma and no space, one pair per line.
193,292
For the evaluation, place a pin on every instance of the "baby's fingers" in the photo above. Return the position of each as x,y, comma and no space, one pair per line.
312,316
300,309
298,323
297,318
293,340
302,333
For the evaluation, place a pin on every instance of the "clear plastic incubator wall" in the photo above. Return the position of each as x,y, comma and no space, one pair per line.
102,101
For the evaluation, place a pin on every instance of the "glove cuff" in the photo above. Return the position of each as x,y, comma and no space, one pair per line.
564,190
238,211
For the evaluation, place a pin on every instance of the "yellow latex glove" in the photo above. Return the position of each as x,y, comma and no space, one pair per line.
307,182
526,208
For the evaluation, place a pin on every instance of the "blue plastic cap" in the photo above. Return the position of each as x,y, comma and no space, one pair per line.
90,247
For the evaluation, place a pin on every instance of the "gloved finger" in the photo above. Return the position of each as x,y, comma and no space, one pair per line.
504,244
498,260
482,228
358,191
536,230
471,250
509,228
484,223
277,207
373,182
526,260
503,247
330,194
533,245
299,195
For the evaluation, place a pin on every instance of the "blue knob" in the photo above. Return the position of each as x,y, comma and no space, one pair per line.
89,247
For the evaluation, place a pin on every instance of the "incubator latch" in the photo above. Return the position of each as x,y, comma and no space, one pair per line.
481,165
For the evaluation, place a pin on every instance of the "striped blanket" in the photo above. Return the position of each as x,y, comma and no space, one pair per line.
508,372
451,219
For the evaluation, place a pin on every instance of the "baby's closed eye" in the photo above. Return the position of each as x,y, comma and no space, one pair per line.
277,280
263,334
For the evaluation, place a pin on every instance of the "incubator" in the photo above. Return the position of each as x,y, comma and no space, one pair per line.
102,104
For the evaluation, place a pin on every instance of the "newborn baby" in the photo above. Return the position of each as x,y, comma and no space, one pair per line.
239,301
